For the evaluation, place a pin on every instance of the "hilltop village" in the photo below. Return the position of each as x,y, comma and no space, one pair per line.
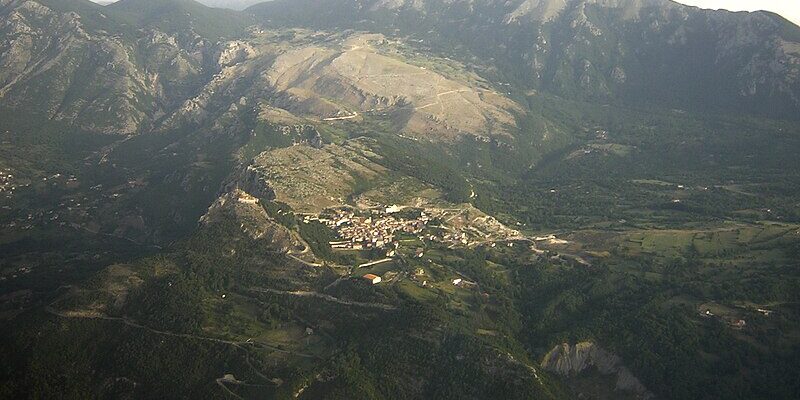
376,228
381,227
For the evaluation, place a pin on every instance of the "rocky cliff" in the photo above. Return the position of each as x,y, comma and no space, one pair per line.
241,208
569,360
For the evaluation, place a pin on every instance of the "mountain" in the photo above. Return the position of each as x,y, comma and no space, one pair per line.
179,15
340,199
89,66
233,4
633,51
42,74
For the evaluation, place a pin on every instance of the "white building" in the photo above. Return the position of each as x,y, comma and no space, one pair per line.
393,209
372,278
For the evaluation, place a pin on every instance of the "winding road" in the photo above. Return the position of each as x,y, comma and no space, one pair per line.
326,297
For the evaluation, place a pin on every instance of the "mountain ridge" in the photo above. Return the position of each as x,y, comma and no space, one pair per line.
551,54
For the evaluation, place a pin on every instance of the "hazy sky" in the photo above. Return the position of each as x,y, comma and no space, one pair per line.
789,9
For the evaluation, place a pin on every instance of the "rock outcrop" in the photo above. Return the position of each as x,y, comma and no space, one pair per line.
246,210
569,360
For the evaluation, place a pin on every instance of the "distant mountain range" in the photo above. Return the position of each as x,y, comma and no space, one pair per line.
652,51
232,4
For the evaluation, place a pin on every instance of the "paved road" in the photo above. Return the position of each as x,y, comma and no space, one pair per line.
326,297
134,324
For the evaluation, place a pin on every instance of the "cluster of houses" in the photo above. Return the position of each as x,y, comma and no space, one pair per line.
17,273
71,210
734,322
376,229
454,237
419,276
6,178
7,184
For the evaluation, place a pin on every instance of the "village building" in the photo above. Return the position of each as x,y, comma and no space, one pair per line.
246,198
372,278
393,209
738,324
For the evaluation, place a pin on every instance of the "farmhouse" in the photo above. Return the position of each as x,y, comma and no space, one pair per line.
372,278
738,324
